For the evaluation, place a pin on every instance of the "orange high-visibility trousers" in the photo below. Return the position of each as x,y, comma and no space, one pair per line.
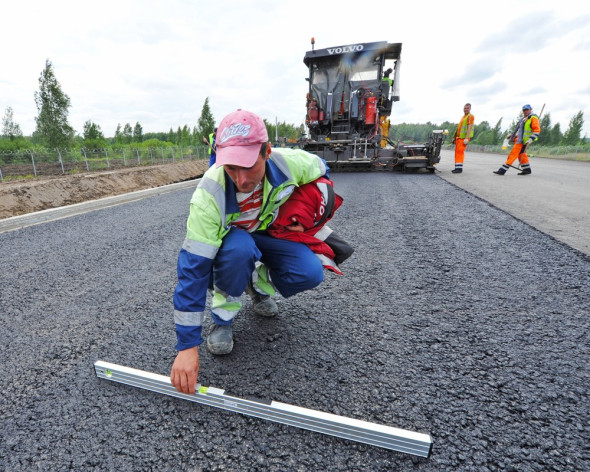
459,153
515,153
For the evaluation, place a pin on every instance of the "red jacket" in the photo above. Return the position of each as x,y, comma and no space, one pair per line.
312,205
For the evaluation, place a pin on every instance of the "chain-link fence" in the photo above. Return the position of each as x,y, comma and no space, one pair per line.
28,163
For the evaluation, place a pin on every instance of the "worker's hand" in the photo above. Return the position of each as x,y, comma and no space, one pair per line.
465,141
185,370
296,226
530,141
205,140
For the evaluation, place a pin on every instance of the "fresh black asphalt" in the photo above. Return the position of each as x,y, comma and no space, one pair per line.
452,318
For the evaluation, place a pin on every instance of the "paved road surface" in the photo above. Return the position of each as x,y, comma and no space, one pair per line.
555,198
453,318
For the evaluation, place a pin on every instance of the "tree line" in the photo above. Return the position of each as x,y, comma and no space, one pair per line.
54,131
484,134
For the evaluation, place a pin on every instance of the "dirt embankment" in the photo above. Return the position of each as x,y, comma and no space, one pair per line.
19,198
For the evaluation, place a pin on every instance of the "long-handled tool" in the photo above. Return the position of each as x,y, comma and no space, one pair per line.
206,141
348,428
524,146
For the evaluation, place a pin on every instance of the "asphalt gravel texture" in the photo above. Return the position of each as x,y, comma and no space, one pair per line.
452,318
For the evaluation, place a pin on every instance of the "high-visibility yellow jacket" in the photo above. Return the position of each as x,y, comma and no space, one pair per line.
527,127
211,144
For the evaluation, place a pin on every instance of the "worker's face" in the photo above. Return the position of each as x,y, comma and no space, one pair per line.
247,178
526,112
467,109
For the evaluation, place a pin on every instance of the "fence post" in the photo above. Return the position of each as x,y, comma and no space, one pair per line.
61,162
85,159
151,156
138,160
1,176
106,152
124,160
33,160
172,152
162,151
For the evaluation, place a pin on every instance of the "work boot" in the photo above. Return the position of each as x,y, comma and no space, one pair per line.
457,171
525,172
500,171
220,340
263,305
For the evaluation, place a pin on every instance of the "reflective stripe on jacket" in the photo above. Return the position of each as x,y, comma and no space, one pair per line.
213,207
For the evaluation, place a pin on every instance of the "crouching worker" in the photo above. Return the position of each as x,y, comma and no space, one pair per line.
227,247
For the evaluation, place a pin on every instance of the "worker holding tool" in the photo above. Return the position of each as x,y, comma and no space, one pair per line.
227,248
211,144
462,137
526,132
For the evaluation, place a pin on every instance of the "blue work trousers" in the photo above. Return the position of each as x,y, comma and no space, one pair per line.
292,266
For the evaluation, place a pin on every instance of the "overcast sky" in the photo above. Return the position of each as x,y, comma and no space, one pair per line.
156,62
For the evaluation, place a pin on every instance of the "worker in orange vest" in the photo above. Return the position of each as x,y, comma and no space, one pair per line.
527,131
462,137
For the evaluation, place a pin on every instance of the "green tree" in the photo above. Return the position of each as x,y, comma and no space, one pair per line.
413,132
545,136
572,135
137,133
497,133
556,135
483,134
206,123
52,105
127,134
93,137
160,136
10,129
118,134
185,137
92,131
285,131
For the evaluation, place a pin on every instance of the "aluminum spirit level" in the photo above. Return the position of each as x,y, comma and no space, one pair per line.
348,428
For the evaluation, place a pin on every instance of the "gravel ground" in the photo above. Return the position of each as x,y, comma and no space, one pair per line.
453,319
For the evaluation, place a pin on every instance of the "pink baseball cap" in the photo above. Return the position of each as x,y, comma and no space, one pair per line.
239,137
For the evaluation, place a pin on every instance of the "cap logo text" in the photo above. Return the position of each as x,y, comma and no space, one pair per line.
237,129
